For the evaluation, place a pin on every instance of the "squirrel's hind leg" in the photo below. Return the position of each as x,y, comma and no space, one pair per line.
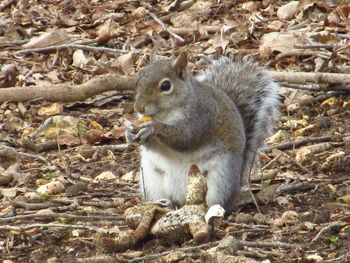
223,173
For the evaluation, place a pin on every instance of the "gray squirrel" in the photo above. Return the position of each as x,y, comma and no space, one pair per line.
216,121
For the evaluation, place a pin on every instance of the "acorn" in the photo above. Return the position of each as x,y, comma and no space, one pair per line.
144,119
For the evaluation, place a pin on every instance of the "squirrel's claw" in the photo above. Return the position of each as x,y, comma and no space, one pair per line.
146,131
144,134
130,134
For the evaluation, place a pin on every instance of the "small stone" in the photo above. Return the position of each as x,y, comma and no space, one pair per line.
229,245
175,256
292,108
243,218
260,218
106,176
51,188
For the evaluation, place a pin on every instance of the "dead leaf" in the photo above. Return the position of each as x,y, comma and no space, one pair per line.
267,193
280,42
288,11
126,62
79,59
8,76
344,199
55,37
51,188
104,33
106,176
51,109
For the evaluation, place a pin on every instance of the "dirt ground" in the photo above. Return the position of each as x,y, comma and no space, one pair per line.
65,186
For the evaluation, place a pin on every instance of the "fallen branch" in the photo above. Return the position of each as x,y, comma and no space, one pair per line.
103,83
62,215
294,144
312,46
68,93
73,46
27,227
316,87
162,254
276,244
303,77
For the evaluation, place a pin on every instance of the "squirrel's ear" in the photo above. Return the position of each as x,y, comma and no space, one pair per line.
180,64
153,57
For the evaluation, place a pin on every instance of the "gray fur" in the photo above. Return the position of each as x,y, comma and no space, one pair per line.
255,95
216,121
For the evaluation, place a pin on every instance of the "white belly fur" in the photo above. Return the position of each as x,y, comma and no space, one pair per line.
172,182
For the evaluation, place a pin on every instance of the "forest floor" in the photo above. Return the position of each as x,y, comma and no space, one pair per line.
64,186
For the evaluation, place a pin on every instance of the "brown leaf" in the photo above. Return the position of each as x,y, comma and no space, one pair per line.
55,37
51,109
8,76
104,33
288,11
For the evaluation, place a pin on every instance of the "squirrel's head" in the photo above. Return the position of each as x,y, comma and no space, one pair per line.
162,87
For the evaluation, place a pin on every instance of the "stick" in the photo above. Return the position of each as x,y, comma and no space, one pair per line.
69,93
316,87
162,254
303,77
289,145
336,224
165,27
62,215
276,244
27,227
310,46
73,46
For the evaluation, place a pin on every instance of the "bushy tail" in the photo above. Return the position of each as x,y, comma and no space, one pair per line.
255,95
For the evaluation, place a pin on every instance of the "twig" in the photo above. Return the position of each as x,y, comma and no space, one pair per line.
343,36
162,254
73,46
62,215
299,25
301,52
25,155
42,127
40,147
336,224
276,244
99,259
293,186
246,226
310,46
26,227
329,95
13,43
316,87
270,162
165,27
304,77
290,145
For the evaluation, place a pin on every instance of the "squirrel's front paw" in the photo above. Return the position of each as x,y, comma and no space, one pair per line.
141,135
147,131
130,134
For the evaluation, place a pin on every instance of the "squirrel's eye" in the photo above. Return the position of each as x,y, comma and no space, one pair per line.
165,85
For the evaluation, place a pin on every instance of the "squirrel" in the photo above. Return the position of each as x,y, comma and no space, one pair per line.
216,120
